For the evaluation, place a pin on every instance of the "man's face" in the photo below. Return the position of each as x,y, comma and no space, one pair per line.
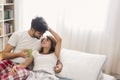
37,34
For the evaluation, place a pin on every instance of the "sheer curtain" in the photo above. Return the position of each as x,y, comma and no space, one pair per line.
89,27
86,25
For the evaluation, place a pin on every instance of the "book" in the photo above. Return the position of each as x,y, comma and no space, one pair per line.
11,28
11,13
6,14
7,28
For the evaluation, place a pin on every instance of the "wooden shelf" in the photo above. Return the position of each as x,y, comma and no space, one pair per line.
7,4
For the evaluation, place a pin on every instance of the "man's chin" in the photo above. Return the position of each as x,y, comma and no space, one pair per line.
36,37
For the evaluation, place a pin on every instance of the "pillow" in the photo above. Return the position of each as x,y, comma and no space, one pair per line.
100,77
80,65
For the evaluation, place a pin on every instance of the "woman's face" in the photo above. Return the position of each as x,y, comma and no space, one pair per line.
45,43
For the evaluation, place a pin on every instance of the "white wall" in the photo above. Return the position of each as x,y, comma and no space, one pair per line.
18,15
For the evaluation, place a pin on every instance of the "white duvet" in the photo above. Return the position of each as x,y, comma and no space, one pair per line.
108,77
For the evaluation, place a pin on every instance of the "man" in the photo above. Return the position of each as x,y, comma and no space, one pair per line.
19,42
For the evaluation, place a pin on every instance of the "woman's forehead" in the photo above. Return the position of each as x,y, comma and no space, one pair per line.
44,37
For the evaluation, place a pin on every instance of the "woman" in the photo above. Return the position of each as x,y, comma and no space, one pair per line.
46,64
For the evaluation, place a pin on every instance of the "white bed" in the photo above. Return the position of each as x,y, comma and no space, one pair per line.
108,77
83,66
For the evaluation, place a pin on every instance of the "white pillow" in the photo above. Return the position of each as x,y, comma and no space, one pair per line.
81,66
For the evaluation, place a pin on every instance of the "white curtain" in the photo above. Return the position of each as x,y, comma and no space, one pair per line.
18,15
86,25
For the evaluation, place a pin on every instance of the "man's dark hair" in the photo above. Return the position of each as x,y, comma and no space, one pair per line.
39,24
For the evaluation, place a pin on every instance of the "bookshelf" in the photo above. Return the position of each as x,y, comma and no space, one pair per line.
7,21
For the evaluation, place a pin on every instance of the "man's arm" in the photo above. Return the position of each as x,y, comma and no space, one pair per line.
24,64
7,54
27,62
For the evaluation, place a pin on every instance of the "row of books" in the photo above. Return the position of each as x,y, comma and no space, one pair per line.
8,14
8,28
6,1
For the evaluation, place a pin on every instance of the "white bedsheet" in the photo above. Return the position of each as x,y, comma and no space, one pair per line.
108,77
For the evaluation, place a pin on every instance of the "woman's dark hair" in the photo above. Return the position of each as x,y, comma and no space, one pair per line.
53,44
39,24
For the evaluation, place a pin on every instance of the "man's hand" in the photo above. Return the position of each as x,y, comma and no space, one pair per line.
58,67
24,53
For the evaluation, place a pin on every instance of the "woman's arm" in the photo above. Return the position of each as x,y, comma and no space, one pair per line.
59,65
58,42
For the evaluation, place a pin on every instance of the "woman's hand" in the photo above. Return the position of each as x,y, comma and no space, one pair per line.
14,69
58,67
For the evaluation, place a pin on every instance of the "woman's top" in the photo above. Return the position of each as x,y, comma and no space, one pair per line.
45,62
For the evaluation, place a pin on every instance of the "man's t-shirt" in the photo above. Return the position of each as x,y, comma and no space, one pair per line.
21,41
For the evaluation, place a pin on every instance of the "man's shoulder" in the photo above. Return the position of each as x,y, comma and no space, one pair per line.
19,33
